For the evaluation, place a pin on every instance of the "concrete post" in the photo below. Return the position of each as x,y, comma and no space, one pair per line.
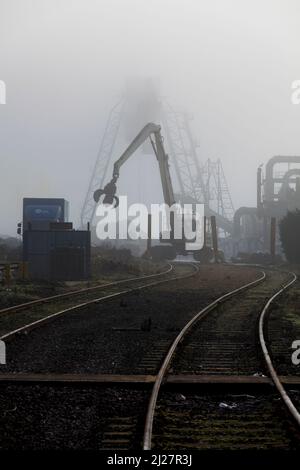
214,237
204,232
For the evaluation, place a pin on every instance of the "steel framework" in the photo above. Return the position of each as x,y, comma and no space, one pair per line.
102,162
204,184
195,182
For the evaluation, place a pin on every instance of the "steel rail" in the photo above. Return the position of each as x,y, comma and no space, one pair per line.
278,384
53,316
145,379
147,439
43,300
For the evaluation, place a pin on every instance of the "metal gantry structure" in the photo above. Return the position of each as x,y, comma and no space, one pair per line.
218,194
102,162
183,154
198,183
195,182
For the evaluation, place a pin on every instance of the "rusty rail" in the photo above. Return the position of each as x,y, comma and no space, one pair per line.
43,300
53,316
277,382
147,441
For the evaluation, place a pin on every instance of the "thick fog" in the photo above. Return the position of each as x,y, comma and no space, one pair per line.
230,63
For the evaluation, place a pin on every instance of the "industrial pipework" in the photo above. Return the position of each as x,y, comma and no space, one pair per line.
270,180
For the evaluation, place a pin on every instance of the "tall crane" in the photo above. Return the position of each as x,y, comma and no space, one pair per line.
194,182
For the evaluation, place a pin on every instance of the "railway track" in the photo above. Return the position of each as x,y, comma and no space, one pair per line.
17,318
79,293
26,397
283,328
186,417
223,338
129,334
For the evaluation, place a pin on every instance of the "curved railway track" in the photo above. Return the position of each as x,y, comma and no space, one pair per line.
41,310
79,292
227,338
275,377
230,333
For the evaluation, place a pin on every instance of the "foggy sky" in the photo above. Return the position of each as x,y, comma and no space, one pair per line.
228,62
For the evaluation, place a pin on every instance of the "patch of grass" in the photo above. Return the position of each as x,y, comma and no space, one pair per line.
112,262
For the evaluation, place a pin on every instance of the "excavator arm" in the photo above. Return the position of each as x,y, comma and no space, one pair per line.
151,131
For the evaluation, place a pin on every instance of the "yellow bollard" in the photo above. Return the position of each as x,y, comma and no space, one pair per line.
7,275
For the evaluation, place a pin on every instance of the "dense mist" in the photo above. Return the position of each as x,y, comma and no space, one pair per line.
229,63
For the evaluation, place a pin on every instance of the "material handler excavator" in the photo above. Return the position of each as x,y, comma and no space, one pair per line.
174,246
